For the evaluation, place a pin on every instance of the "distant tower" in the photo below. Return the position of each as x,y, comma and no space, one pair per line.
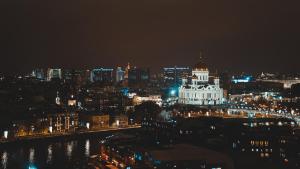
119,74
127,71
200,55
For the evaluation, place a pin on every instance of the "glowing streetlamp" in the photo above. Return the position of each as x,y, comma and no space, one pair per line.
5,134
131,121
50,129
173,92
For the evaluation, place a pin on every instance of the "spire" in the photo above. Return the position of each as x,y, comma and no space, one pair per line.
200,65
128,66
200,55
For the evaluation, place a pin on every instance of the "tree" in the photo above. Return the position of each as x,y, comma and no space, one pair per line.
146,110
295,90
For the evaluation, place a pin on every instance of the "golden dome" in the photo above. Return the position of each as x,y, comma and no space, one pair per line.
200,66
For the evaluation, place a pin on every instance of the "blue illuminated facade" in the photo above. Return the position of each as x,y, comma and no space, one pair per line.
242,79
102,75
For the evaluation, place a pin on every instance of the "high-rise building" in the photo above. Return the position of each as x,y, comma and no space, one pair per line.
38,73
68,74
127,71
54,74
119,74
138,75
173,75
75,76
102,75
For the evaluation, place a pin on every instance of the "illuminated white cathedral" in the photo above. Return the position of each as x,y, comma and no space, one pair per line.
198,90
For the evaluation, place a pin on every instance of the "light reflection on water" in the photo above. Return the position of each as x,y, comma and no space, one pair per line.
87,148
70,146
49,155
61,154
31,155
4,158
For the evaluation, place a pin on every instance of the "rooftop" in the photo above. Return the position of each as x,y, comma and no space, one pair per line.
185,152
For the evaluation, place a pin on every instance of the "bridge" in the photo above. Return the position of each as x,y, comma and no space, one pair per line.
287,84
251,113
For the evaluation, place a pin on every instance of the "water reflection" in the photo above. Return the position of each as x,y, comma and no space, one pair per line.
87,148
31,155
31,166
4,158
49,155
70,146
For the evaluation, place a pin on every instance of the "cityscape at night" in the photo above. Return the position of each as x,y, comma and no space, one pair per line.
149,84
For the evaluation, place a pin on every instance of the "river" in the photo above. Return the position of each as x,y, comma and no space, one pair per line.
50,154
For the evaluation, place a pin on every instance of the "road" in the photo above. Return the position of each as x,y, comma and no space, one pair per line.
65,134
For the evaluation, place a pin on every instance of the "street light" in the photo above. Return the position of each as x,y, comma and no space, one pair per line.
50,129
5,134
173,92
131,121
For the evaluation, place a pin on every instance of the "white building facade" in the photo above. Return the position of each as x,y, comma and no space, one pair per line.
197,90
137,100
54,73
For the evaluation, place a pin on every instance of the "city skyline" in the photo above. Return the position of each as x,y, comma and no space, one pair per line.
153,70
144,84
237,36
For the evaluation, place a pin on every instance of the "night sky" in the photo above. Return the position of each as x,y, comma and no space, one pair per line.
242,35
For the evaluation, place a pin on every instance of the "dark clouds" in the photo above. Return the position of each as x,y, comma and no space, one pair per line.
249,35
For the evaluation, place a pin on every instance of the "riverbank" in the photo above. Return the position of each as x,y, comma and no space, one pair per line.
65,135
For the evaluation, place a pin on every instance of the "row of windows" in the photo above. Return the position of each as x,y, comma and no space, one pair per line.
259,143
205,77
202,96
